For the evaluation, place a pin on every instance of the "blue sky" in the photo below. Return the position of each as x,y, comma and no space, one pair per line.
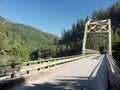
50,15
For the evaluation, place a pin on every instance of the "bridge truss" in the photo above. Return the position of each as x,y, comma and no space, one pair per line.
97,37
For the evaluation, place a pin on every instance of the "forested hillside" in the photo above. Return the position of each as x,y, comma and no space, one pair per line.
72,38
17,41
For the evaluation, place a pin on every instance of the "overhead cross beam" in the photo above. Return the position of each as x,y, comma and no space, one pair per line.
99,27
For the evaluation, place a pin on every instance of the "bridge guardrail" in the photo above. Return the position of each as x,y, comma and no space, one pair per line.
26,68
113,73
113,62
35,66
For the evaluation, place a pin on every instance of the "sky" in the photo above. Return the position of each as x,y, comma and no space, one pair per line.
50,15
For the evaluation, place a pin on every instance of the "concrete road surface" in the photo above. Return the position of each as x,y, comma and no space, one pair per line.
85,74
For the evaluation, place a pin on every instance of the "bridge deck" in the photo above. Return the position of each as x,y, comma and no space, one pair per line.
85,74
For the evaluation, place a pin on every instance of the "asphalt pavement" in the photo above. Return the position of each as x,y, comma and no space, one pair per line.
85,74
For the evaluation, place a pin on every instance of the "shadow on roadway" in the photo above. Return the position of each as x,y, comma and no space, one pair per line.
99,82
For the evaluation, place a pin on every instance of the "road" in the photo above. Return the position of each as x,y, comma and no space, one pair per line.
85,74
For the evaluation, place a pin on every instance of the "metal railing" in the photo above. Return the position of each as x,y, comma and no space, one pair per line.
113,74
90,51
113,64
20,69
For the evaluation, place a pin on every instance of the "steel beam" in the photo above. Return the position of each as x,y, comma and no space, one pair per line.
102,26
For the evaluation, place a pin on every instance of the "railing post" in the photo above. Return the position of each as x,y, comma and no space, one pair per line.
39,62
12,67
54,61
48,63
27,70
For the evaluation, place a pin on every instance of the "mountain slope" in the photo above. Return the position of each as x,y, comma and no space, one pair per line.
17,40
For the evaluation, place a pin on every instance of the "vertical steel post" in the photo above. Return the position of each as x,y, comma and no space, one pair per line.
85,38
110,39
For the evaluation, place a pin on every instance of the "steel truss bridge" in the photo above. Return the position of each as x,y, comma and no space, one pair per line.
95,69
